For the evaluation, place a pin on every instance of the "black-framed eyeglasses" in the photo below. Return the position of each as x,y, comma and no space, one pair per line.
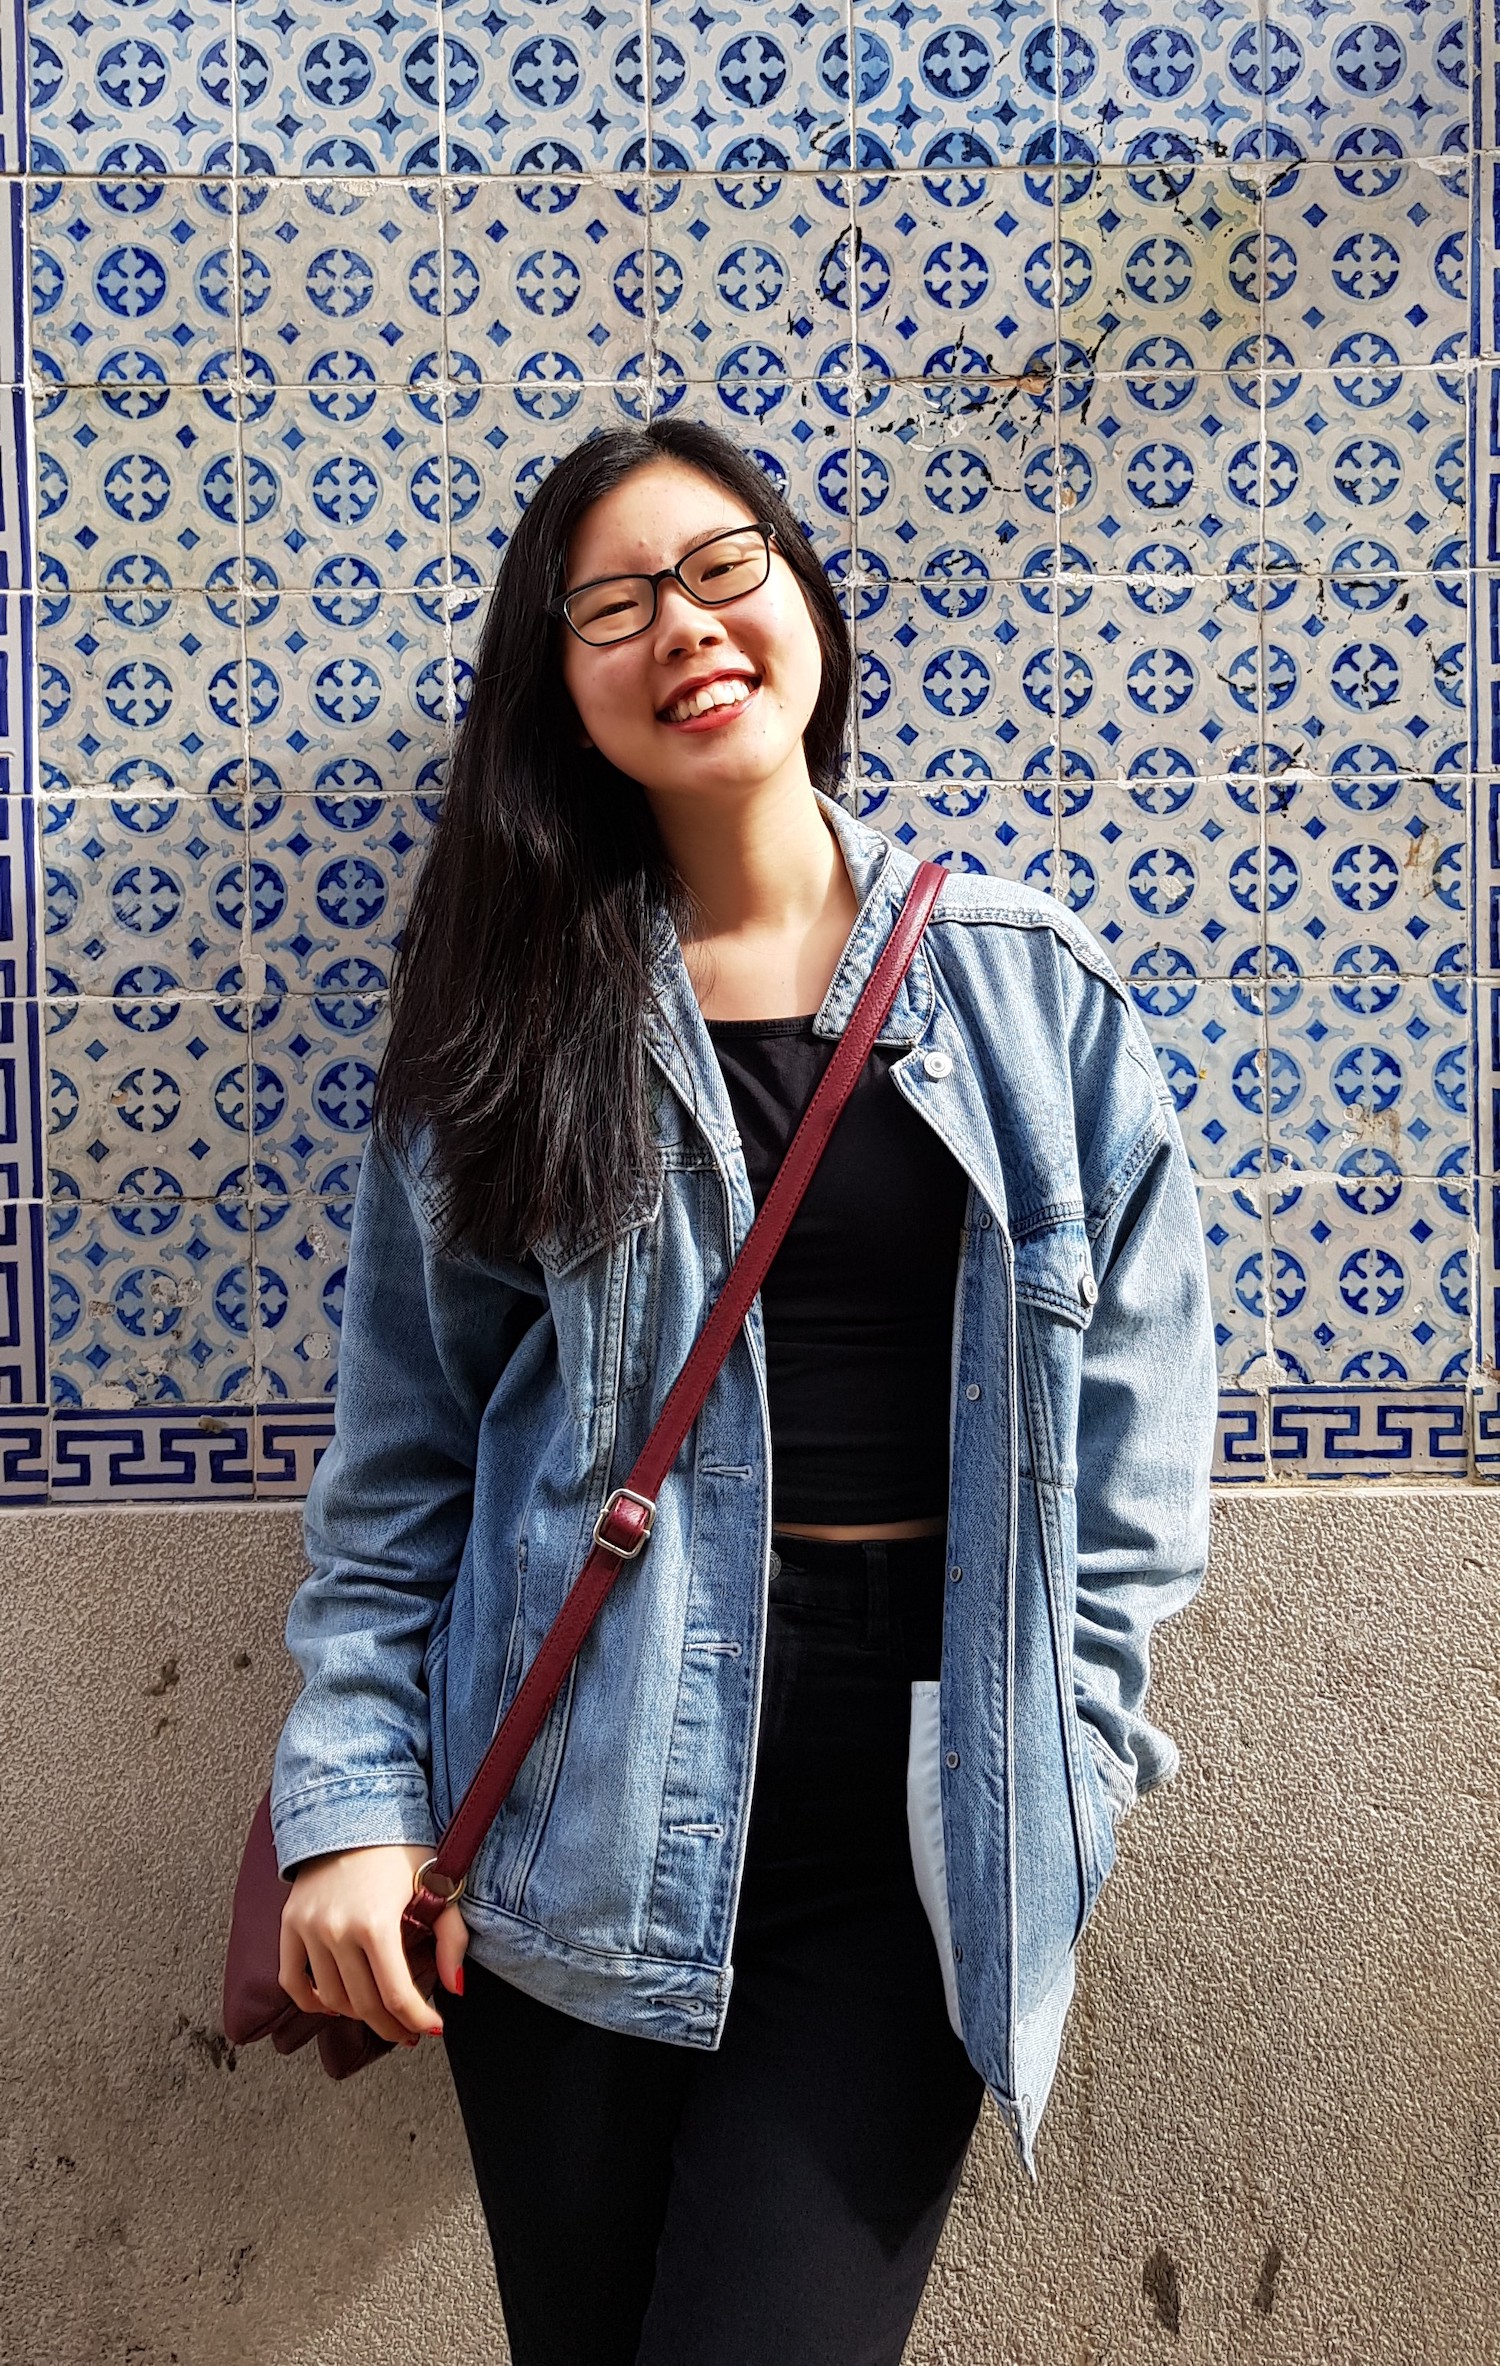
617,607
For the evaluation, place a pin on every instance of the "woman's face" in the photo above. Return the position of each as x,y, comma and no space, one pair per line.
628,694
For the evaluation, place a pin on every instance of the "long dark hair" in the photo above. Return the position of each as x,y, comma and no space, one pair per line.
524,969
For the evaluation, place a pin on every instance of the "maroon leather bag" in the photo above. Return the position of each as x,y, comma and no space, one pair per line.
255,2003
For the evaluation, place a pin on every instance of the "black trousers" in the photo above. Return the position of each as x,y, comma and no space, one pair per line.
776,2202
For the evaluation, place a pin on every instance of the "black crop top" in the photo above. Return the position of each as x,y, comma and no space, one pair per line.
858,1304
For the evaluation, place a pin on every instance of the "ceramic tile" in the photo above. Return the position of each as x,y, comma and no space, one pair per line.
346,283
536,288
142,491
1393,81
1339,269
22,1170
762,79
1177,863
1237,1243
753,286
345,92
348,690
360,479
953,91
534,93
140,688
148,1093
939,666
968,291
133,281
141,886
318,1080
1003,836
1162,280
114,92
1209,1042
1366,1057
302,1248
1371,1284
150,1304
1164,84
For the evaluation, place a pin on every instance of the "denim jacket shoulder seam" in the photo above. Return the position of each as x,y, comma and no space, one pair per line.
1000,915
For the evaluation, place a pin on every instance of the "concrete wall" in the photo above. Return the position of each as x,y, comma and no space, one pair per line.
1275,2137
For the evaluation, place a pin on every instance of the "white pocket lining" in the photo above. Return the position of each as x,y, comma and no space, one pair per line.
924,1823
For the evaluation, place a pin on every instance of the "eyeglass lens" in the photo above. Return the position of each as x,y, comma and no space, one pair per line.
717,572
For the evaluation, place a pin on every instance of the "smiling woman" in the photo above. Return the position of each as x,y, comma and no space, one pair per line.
577,815
798,1862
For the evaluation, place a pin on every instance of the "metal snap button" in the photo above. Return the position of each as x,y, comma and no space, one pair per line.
972,1391
951,1758
1088,1288
937,1063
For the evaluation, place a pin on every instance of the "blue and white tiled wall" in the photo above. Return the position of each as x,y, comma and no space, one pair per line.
1127,364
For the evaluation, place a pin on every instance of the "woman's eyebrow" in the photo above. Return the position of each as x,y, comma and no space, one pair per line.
692,543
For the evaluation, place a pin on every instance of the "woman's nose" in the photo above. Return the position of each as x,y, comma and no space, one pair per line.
681,623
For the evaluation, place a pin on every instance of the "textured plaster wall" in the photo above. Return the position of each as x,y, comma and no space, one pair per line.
1276,2133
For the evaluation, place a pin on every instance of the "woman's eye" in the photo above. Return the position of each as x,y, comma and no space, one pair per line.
619,604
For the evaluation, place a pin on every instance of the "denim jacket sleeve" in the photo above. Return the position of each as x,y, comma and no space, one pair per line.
385,1524
1147,1412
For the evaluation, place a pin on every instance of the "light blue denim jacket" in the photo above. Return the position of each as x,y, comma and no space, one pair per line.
485,1411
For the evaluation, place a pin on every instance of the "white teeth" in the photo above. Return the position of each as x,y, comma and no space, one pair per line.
713,694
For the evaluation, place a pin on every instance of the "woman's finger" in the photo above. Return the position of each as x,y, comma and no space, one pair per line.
366,2000
326,1978
292,1969
452,1935
401,1996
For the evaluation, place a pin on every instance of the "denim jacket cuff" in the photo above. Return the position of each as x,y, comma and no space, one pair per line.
339,1815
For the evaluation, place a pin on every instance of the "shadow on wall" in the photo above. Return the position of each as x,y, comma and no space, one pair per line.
179,2204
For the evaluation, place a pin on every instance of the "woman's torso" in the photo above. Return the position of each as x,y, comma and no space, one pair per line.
771,1065
858,1303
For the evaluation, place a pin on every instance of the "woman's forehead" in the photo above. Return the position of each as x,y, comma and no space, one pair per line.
650,518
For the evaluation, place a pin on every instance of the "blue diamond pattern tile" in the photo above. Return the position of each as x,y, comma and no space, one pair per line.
150,89
533,93
342,93
301,1251
148,1092
951,90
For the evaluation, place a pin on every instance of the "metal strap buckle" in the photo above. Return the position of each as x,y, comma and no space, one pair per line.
423,1879
647,1504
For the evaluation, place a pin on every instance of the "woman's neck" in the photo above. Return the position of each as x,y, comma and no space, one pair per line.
775,902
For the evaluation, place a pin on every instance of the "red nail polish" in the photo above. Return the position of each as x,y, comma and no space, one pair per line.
458,1980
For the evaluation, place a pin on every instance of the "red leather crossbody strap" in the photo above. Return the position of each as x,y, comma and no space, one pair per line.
625,1522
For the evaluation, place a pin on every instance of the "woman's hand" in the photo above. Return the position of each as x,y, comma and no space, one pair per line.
341,1948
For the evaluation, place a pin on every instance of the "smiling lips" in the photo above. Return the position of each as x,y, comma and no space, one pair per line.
717,699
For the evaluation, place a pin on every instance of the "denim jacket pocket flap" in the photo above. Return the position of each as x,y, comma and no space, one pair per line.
558,1255
1054,1270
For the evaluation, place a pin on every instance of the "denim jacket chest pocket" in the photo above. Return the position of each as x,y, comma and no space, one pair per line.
607,1291
1056,1294
586,1273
